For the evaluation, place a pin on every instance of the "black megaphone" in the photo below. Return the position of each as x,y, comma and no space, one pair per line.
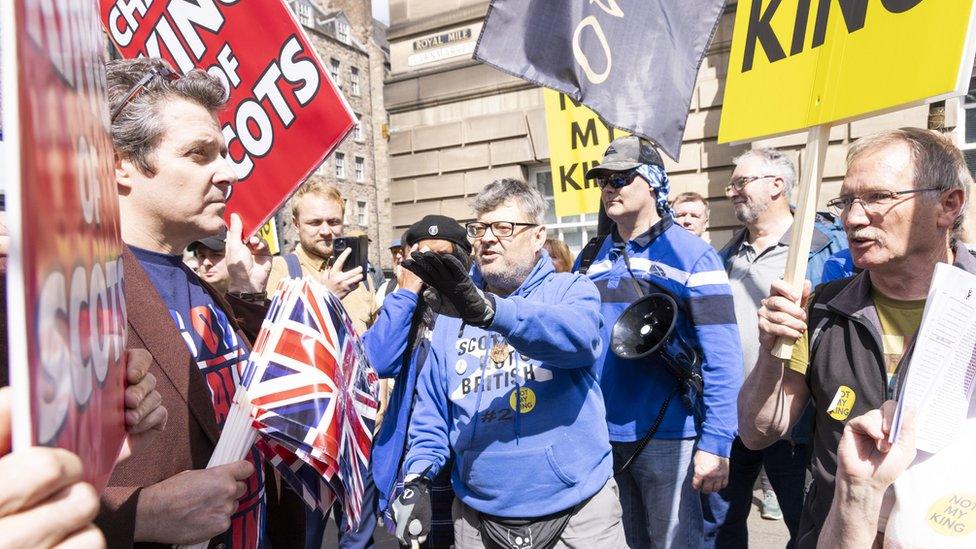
649,327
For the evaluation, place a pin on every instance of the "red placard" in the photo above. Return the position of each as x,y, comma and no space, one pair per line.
66,311
284,116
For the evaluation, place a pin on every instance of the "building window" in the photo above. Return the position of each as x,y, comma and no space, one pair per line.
967,130
304,13
362,213
334,70
340,165
357,131
574,230
346,212
360,169
354,81
342,31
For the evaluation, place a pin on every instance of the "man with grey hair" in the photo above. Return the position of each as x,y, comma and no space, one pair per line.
756,256
509,388
901,202
174,179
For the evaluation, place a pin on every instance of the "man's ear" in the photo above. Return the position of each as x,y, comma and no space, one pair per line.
123,175
539,238
952,207
778,188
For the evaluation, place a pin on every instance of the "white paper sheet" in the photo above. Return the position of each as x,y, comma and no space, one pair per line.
943,366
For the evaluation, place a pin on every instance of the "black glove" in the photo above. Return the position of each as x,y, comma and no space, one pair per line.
412,513
444,273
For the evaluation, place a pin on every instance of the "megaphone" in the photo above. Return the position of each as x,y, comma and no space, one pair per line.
649,327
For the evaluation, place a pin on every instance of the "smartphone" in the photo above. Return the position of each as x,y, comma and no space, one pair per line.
359,255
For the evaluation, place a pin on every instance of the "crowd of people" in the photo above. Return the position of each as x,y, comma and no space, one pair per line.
515,411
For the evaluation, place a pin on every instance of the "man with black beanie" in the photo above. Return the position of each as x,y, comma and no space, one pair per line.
397,345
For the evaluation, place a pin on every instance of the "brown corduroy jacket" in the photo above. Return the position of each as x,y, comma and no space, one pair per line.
191,432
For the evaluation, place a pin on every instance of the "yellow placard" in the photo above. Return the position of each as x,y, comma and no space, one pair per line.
269,234
577,141
799,64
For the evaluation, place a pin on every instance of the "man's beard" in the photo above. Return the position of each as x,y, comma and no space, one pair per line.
320,249
508,280
748,211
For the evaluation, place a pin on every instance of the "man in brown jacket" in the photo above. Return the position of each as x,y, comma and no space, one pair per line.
174,179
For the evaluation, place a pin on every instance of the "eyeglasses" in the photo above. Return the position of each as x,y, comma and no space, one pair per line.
616,180
872,202
500,229
140,86
739,183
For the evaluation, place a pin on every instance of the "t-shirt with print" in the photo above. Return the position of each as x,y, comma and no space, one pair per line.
899,323
219,353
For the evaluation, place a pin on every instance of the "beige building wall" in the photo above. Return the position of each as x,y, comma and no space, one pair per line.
455,125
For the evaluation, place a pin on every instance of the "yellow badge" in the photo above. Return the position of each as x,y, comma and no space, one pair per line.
528,400
953,515
842,404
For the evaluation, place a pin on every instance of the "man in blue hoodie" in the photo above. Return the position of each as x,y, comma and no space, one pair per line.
509,388
664,447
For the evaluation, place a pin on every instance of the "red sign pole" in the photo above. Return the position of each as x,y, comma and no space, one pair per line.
284,115
66,313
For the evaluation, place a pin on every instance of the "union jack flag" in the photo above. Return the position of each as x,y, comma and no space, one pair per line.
313,396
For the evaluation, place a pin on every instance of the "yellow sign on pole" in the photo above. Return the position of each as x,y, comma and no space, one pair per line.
800,64
269,234
577,141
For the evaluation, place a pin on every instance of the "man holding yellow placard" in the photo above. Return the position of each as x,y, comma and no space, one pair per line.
901,204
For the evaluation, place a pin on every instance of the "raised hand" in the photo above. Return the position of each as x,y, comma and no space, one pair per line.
248,263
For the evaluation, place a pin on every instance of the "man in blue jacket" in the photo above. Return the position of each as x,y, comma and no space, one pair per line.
687,449
509,388
397,345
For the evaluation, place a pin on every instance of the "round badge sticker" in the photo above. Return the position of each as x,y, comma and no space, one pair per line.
527,397
953,515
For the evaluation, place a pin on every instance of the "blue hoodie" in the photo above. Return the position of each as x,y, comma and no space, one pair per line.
529,435
386,345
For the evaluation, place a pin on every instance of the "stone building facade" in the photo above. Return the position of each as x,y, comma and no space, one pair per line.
456,125
342,31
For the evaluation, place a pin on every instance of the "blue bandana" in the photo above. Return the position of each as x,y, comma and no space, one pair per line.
657,178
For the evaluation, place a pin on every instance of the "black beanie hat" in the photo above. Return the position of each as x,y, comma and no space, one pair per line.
438,227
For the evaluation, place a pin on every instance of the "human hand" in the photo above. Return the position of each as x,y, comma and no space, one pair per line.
43,501
866,459
248,263
412,512
192,506
145,415
445,274
711,472
406,279
340,282
783,313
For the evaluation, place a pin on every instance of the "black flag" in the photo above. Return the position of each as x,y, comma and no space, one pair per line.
633,62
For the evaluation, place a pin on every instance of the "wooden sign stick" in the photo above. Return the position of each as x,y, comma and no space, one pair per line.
806,208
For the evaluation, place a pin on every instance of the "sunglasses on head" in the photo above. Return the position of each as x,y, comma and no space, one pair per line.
617,180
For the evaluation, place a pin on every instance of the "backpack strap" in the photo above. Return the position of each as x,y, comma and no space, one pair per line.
589,253
294,267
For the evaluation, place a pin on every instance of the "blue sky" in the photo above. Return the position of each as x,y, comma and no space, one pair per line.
381,10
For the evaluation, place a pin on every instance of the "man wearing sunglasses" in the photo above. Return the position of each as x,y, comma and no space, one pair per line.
174,179
509,388
688,449
901,202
